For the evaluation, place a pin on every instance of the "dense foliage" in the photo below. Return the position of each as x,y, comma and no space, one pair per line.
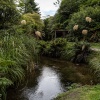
19,22
79,18
67,7
74,12
33,23
8,14
17,43
27,6
48,29
31,6
52,48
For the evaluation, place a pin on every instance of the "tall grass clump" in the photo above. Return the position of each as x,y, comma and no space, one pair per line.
17,51
94,62
17,43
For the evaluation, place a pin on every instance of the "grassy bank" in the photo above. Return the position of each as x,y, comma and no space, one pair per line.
95,45
82,93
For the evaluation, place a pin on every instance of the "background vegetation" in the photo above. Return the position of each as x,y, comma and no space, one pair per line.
71,13
19,45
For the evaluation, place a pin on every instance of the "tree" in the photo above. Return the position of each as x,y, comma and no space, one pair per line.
80,18
31,6
48,22
67,7
33,22
92,3
8,13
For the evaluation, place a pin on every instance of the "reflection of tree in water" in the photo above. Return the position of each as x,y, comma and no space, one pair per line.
77,74
40,94
71,73
32,78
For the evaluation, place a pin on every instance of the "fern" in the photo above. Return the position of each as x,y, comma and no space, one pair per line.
4,82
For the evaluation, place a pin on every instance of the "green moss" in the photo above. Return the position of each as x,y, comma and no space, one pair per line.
82,93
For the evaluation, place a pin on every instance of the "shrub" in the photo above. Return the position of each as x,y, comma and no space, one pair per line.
82,50
33,22
80,19
69,51
53,48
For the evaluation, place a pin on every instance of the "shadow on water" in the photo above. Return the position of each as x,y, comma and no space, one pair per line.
52,77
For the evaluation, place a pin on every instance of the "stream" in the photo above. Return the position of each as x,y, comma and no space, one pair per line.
51,78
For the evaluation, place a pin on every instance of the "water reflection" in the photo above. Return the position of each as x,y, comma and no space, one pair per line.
48,86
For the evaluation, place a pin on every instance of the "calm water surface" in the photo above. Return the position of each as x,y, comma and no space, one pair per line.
51,78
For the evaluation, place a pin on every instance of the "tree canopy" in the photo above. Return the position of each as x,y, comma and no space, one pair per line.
73,12
31,6
8,13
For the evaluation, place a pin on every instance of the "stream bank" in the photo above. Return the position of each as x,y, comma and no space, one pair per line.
50,79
